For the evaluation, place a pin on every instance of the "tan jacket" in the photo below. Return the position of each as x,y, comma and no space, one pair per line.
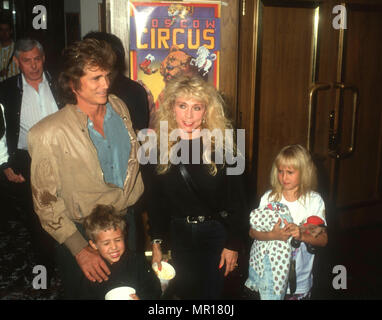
66,176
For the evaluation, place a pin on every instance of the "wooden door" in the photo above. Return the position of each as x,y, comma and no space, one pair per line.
304,80
357,177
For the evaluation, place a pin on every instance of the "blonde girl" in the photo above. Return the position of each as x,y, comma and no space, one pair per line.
293,181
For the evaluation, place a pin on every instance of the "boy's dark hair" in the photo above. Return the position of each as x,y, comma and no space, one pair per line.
103,217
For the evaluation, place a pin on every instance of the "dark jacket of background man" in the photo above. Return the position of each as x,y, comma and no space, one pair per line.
11,93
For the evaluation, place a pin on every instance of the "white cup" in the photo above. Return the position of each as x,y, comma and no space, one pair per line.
165,274
120,293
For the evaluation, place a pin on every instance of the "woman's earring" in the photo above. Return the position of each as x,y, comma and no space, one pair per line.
204,120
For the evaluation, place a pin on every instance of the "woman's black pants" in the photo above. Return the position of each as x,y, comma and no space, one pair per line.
196,251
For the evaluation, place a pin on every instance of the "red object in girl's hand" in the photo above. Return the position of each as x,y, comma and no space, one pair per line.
316,220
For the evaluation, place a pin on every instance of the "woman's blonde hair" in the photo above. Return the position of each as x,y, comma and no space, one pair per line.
197,88
298,158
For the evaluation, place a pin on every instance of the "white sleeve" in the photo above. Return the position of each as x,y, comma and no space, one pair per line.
3,143
264,199
317,206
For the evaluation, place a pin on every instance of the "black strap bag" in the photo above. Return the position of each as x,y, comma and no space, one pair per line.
221,216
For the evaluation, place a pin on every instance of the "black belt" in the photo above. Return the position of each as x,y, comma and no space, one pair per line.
198,219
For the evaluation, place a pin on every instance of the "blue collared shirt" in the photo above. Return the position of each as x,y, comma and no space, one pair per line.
113,150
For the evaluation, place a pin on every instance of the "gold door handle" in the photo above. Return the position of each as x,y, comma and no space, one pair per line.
332,143
336,153
311,115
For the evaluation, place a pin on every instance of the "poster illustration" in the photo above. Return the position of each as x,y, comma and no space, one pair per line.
172,38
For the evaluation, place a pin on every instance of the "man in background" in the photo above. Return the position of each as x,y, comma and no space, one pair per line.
27,98
8,67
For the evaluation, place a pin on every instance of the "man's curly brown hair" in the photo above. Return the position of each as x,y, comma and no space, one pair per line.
85,54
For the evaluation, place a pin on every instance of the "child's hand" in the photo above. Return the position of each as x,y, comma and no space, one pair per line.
280,233
294,231
134,296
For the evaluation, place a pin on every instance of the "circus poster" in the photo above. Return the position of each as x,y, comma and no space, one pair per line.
172,38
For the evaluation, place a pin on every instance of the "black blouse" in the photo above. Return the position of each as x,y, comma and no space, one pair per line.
168,197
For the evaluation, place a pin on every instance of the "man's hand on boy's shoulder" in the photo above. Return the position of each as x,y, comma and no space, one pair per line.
92,265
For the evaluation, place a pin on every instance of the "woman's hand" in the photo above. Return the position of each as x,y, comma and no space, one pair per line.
229,257
157,255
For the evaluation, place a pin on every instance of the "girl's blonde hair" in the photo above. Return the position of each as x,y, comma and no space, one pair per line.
197,88
298,158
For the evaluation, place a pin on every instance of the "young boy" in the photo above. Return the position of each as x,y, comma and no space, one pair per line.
106,232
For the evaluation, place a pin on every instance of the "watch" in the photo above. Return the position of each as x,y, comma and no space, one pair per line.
157,241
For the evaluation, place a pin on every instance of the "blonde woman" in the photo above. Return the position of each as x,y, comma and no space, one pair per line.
203,225
293,181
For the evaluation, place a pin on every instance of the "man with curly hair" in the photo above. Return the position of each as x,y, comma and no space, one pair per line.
85,154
